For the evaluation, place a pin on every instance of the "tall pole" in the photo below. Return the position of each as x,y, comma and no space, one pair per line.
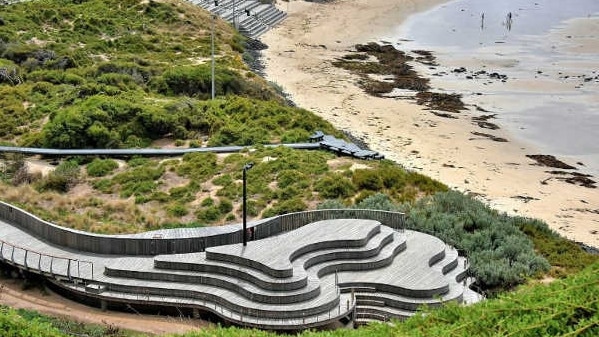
244,208
212,43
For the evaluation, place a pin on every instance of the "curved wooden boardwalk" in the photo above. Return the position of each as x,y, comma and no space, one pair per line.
326,268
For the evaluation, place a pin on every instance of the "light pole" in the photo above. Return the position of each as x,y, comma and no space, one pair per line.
212,45
244,209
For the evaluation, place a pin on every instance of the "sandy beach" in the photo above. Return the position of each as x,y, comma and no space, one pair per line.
299,58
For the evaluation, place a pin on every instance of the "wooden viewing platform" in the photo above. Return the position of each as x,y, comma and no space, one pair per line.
305,270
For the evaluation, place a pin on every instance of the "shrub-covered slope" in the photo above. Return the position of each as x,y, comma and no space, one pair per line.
110,74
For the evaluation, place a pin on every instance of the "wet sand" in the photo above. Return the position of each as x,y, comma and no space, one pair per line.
299,59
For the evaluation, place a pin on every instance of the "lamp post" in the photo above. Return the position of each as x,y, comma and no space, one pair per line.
212,46
246,167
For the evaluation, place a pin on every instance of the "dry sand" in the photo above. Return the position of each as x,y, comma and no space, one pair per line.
299,59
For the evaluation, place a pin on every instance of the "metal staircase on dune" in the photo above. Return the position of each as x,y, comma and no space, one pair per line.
251,17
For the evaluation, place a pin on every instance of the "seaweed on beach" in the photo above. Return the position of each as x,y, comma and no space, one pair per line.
575,178
491,137
425,57
550,161
390,62
392,65
483,121
441,101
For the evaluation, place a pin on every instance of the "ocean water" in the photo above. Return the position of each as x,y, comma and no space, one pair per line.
549,51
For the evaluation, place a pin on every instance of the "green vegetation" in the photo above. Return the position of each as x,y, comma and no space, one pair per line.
65,176
500,254
565,256
12,324
101,167
26,323
147,193
137,73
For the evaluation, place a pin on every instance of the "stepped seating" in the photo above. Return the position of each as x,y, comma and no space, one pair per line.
313,275
261,17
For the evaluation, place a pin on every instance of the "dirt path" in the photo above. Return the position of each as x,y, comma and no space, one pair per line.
52,304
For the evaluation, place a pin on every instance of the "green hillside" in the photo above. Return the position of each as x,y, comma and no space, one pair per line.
111,74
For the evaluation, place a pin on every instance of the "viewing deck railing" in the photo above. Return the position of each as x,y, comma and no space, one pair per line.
45,263
184,241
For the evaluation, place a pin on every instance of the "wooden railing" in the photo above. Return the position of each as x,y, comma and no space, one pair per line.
140,244
45,264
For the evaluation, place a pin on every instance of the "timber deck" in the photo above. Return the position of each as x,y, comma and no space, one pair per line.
316,274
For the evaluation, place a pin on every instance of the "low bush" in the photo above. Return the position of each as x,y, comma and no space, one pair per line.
335,186
177,210
64,176
209,214
101,167
501,255
284,207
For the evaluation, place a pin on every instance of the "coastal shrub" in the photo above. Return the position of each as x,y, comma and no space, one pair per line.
207,202
334,186
501,255
14,325
183,193
284,207
141,180
331,204
195,81
566,257
209,214
138,161
223,180
378,201
64,176
198,166
177,210
101,167
225,206
103,185
290,177
367,179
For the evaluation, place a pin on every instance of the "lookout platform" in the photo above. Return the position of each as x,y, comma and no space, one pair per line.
304,270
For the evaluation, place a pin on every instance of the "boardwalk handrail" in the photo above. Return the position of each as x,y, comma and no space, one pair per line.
173,241
39,269
144,151
326,142
153,243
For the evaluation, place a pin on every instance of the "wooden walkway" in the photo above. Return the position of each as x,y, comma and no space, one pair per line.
309,277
